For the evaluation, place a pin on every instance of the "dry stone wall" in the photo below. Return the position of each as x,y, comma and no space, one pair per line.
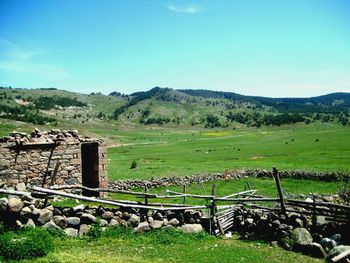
26,158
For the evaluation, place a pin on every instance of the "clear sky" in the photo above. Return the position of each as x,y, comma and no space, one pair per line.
253,47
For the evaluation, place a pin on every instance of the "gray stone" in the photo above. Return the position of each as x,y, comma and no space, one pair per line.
84,229
19,223
14,204
158,216
327,243
21,187
191,228
73,221
26,212
320,220
87,219
3,204
60,221
113,222
315,250
51,226
79,208
71,232
134,220
337,251
142,227
108,215
30,223
301,237
174,222
103,222
156,224
118,214
336,238
45,215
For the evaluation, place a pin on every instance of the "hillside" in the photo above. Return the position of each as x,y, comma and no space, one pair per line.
168,107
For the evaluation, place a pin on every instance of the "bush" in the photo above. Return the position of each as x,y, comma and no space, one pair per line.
95,231
25,244
133,164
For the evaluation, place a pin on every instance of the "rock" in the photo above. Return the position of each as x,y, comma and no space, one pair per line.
174,222
84,229
30,223
71,232
3,204
25,212
336,238
113,223
73,222
103,222
45,215
87,219
14,204
301,237
134,220
108,215
327,243
79,208
191,228
126,216
19,224
51,226
337,251
158,216
320,221
298,223
142,227
315,250
60,221
156,224
21,187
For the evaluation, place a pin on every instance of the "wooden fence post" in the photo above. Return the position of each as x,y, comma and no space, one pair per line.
279,188
146,197
184,191
212,208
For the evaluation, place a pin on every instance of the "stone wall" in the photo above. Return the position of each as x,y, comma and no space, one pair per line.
26,158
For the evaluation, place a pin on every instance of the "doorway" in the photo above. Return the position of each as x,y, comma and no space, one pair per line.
89,163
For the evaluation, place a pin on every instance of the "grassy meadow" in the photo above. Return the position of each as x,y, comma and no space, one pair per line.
180,152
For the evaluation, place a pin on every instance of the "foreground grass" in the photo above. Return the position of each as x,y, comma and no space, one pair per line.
119,245
321,147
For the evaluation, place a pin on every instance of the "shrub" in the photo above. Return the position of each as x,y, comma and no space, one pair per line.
133,164
95,231
26,244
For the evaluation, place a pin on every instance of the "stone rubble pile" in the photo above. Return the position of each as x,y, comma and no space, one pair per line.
77,221
293,231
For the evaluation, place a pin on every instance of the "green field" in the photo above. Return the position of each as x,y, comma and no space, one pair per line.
166,246
168,152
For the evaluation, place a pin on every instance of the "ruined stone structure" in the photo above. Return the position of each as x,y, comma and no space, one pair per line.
53,157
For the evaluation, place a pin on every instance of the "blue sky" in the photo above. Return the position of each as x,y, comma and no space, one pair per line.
253,47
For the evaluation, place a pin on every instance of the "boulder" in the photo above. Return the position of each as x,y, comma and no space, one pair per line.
30,223
51,226
21,187
103,223
156,224
315,250
73,222
87,219
84,229
301,237
108,215
3,204
191,228
142,227
79,208
134,220
71,232
45,215
327,243
113,223
60,221
14,204
25,212
174,222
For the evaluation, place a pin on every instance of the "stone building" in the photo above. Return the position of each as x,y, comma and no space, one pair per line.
53,158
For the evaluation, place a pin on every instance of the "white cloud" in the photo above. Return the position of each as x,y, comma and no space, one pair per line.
189,9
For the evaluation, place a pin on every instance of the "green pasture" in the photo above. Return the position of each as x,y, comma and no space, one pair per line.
118,245
180,152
